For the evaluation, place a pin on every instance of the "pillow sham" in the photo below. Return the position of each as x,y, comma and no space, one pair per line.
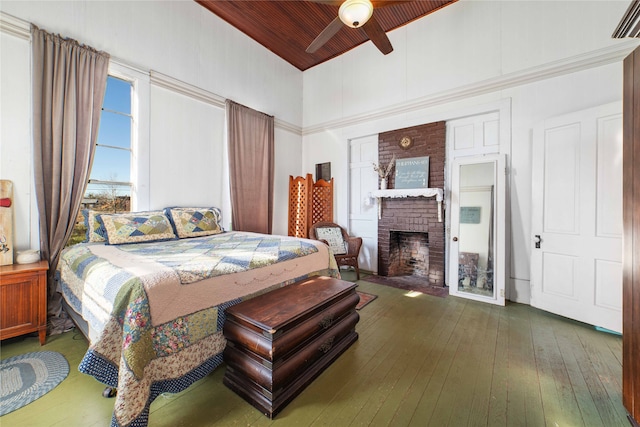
195,222
95,233
333,236
136,227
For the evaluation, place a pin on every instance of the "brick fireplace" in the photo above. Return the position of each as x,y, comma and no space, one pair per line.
415,218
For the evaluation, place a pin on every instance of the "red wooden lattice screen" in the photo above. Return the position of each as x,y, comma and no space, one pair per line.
309,202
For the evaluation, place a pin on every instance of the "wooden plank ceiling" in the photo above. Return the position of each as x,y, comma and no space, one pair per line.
288,27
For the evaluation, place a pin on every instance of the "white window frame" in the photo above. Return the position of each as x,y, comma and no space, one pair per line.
140,155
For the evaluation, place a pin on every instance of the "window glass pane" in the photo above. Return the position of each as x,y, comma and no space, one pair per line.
111,164
107,198
118,95
115,130
97,193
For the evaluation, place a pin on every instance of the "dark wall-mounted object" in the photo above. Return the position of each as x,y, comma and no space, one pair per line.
323,171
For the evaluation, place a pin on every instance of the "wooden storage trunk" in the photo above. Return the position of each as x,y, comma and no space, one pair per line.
281,341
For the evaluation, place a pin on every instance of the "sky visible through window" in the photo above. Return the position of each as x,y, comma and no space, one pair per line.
113,164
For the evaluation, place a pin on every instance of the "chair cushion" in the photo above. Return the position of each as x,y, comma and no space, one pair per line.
333,236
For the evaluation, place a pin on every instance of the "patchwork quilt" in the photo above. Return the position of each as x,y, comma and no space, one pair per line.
158,308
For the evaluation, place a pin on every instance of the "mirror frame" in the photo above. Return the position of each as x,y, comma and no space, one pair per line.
499,227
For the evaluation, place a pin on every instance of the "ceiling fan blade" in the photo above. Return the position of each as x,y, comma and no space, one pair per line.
328,32
377,35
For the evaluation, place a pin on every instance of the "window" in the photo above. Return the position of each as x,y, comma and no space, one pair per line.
109,187
110,177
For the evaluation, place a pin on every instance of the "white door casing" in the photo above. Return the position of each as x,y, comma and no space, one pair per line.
363,211
576,271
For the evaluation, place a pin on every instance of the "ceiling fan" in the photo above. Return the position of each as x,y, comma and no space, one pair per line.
355,14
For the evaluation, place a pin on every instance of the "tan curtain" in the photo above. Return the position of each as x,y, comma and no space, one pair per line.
251,170
69,82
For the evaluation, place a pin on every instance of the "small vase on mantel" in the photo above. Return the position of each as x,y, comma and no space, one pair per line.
383,184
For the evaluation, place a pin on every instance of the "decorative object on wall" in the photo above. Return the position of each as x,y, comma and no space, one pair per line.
384,172
323,171
405,142
470,214
6,222
309,203
412,172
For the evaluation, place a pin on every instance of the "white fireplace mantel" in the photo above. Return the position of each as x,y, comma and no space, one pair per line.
410,192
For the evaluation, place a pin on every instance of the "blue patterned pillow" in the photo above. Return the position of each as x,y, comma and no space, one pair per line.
95,233
195,222
136,227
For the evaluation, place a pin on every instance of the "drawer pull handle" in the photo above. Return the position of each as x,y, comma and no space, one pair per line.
326,346
326,321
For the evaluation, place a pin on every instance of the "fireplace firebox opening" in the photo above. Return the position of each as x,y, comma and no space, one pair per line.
408,253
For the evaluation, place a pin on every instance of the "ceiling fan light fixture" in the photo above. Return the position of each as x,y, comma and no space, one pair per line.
355,13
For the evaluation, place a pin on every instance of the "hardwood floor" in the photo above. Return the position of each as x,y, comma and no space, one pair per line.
419,361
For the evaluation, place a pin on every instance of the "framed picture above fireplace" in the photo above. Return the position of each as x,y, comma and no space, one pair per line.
412,172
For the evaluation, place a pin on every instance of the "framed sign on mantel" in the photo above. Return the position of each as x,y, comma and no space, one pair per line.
412,172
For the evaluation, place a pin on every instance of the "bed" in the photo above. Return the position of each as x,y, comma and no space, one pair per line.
154,306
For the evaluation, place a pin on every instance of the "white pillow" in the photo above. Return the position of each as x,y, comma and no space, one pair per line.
333,236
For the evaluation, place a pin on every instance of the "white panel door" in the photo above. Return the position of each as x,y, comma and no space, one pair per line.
363,217
576,258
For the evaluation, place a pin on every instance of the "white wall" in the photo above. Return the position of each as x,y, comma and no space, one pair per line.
15,137
182,148
543,58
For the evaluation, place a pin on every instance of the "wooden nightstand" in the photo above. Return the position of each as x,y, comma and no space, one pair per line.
23,300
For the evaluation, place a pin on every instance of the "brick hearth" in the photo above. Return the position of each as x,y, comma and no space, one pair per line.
414,214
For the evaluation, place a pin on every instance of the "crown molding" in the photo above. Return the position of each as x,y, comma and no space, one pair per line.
15,26
186,89
573,64
286,126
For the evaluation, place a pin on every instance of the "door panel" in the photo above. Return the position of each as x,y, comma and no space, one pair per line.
577,211
609,178
561,195
560,275
363,217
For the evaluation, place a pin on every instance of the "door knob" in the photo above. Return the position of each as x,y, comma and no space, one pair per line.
455,239
538,241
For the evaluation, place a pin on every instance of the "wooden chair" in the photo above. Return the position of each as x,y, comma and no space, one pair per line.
345,248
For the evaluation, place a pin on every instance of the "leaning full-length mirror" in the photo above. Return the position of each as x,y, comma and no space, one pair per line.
476,263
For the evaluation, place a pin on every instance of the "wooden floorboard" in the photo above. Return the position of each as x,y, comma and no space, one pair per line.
419,361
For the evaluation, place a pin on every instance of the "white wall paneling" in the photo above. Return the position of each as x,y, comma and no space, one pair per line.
363,209
16,148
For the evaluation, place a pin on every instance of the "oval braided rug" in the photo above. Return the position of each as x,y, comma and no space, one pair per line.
29,376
